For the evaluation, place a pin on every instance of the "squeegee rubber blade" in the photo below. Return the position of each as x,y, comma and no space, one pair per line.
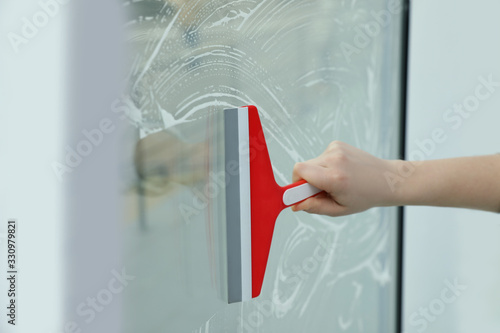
231,146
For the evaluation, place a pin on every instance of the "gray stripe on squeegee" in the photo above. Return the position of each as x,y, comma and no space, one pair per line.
231,146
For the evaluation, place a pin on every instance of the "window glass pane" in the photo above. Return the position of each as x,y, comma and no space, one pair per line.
318,71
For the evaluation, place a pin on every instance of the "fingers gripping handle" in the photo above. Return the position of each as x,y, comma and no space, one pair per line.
299,192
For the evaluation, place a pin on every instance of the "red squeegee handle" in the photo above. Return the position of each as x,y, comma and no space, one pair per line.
298,192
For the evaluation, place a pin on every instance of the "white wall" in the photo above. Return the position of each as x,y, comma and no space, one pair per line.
31,118
452,44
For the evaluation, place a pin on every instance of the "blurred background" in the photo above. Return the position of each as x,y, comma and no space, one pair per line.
452,46
110,140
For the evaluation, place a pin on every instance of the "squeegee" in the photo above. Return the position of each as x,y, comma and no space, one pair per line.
253,202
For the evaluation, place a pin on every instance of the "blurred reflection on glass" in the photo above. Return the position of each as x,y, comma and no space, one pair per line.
192,59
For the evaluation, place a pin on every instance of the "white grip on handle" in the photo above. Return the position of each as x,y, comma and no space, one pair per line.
299,193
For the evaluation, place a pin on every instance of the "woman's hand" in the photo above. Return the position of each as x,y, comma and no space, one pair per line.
353,180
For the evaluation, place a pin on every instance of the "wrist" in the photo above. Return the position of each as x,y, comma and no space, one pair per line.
397,179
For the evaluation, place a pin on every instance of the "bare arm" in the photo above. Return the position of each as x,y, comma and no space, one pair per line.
355,181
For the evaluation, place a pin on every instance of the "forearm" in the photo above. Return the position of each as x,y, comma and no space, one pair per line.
469,182
354,181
